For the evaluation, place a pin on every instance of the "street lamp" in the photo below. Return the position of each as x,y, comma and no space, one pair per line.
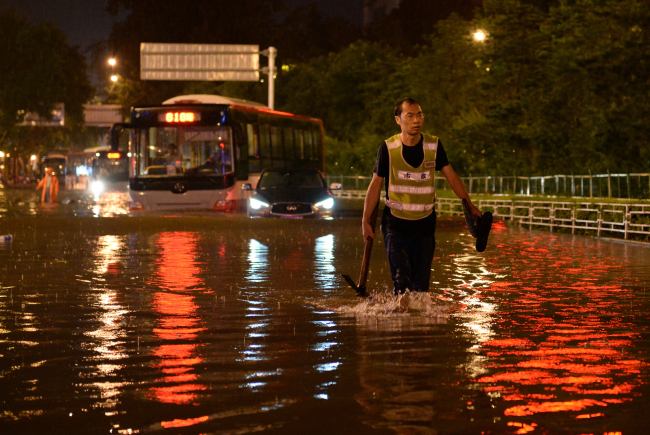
479,36
112,62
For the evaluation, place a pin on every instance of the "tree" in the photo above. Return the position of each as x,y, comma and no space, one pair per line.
38,70
563,90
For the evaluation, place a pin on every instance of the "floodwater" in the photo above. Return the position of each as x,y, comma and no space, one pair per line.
220,324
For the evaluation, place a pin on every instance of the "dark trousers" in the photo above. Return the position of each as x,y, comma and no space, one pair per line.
410,260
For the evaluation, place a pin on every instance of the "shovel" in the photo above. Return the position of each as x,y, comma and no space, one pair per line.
363,276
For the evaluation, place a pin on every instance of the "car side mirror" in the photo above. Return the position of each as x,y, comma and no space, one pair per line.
336,186
246,186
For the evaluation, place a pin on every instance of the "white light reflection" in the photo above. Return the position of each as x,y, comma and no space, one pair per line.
258,258
255,351
477,314
320,347
323,258
327,367
110,334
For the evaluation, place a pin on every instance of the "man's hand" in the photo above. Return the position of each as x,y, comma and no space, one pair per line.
475,211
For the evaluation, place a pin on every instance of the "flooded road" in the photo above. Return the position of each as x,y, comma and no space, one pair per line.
216,324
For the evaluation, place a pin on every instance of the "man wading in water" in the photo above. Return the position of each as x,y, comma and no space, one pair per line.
407,162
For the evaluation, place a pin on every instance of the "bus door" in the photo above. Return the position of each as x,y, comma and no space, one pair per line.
122,142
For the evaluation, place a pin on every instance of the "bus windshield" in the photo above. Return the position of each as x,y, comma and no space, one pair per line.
292,179
57,164
184,150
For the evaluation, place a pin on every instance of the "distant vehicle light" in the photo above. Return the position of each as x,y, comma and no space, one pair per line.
327,204
97,187
257,204
114,155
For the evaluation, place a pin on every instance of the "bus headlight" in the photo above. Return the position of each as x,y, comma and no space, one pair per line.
326,204
97,187
256,204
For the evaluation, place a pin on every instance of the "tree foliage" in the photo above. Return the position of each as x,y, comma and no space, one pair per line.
38,70
556,87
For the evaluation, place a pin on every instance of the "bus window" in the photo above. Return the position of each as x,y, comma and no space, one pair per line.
276,142
318,145
253,144
265,144
300,144
289,152
309,145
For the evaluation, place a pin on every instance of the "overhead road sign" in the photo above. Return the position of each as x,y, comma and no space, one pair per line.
199,62
102,115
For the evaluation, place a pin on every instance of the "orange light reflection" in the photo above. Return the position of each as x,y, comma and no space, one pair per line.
566,333
178,323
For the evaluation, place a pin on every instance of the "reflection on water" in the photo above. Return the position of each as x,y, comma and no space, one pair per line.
177,323
258,259
109,335
569,335
25,201
231,325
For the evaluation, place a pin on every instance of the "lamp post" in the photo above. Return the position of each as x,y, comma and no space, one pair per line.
479,36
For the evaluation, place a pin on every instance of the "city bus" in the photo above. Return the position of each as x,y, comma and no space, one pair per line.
198,151
110,166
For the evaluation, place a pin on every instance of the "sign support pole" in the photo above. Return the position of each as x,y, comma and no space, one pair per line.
271,53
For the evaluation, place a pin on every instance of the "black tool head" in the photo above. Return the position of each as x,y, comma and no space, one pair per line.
471,220
361,289
484,226
350,281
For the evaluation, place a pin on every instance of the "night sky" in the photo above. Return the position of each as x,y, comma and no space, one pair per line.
86,21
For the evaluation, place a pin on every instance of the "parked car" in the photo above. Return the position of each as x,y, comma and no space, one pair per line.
296,193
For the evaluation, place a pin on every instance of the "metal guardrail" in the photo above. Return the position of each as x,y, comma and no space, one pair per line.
624,219
585,186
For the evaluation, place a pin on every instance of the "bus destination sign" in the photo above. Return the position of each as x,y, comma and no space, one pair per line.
179,117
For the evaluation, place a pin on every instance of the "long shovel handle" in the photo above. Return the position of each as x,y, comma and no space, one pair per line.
363,276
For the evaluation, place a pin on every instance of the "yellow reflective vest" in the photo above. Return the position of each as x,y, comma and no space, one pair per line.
412,191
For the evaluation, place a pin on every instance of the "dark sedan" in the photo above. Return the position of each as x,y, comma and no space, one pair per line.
298,193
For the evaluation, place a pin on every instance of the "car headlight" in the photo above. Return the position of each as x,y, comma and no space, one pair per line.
256,204
327,204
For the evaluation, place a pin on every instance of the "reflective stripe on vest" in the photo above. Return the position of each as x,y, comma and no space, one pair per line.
400,206
411,190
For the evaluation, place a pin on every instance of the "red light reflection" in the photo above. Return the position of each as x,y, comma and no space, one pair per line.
564,346
176,275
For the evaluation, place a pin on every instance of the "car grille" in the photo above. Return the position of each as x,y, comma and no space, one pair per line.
289,209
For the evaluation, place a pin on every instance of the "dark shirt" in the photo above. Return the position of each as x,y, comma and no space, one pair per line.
414,156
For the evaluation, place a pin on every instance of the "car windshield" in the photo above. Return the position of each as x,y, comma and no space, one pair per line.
300,179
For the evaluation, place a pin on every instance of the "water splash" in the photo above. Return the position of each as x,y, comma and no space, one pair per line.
385,303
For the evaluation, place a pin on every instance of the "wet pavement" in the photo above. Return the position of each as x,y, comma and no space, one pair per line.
113,323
